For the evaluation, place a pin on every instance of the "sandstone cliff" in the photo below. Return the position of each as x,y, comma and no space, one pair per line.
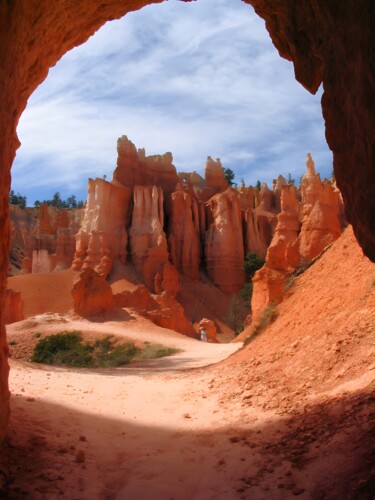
224,248
304,229
134,168
184,232
102,236
42,239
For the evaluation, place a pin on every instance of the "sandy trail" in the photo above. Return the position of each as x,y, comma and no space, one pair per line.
291,415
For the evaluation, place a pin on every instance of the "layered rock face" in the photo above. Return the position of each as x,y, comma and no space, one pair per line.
42,239
304,229
328,42
134,168
260,218
184,233
164,230
102,236
92,295
224,248
148,242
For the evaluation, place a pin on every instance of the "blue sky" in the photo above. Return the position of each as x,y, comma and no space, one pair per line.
197,79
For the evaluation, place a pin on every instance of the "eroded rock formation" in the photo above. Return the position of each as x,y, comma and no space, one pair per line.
328,42
183,233
148,242
304,229
260,219
102,236
224,248
92,295
41,235
210,328
134,168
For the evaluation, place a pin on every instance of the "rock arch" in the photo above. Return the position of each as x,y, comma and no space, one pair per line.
330,42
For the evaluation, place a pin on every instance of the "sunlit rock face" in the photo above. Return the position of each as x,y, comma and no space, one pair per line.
183,232
321,214
102,236
134,168
303,231
224,248
37,232
329,42
92,295
148,242
260,219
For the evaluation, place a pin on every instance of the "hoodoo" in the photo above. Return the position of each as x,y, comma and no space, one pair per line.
329,43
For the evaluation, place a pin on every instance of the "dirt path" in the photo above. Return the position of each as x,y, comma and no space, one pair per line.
291,415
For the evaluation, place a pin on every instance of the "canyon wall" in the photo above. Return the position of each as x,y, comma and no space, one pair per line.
309,220
42,239
329,42
166,223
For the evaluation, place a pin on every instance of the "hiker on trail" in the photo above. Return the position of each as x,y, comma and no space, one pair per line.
203,335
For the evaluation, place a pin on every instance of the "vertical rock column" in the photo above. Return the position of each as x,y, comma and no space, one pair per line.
183,233
224,250
148,242
102,237
282,255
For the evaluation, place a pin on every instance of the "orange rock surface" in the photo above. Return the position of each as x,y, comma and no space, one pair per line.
14,307
303,230
210,328
102,236
183,233
92,295
260,219
171,315
224,249
134,168
148,242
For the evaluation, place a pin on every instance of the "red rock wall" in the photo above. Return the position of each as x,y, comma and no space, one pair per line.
102,236
329,41
134,168
183,233
224,248
13,307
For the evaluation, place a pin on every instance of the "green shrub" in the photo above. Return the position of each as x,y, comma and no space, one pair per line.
69,349
247,292
251,264
66,349
106,353
152,351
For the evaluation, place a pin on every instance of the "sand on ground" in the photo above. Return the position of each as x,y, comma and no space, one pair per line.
292,414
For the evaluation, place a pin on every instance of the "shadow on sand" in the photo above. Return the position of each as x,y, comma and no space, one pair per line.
324,452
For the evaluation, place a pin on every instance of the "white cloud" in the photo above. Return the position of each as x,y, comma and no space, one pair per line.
195,79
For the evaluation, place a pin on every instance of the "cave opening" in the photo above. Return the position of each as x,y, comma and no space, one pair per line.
294,38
